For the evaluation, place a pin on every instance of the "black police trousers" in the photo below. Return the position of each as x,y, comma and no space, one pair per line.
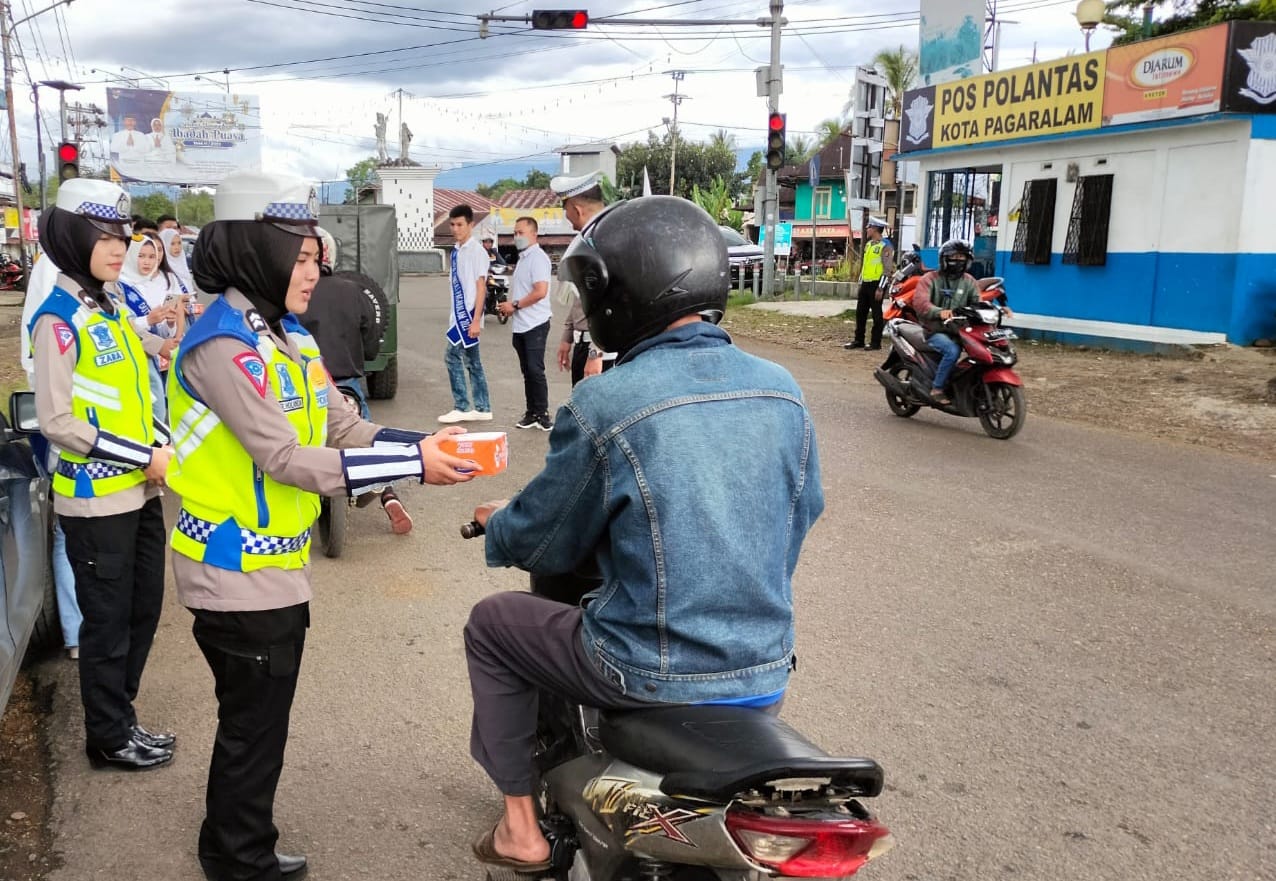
255,658
118,563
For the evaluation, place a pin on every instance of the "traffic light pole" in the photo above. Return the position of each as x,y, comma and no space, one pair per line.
771,197
13,130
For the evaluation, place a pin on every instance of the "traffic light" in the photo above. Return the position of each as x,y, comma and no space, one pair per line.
68,160
775,141
560,20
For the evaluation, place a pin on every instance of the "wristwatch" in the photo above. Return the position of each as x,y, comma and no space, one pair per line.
516,306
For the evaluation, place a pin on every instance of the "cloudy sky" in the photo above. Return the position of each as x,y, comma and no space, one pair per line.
324,68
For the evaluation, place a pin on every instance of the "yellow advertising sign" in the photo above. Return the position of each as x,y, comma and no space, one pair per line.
11,218
1043,99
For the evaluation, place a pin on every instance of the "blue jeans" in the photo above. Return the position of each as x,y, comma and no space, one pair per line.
461,361
355,385
949,352
64,583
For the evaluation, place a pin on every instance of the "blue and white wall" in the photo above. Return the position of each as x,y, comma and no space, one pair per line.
1190,242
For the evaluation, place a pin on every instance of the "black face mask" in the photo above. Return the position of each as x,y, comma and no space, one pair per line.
255,258
69,239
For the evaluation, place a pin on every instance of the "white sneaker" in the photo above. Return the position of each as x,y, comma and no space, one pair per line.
477,416
454,416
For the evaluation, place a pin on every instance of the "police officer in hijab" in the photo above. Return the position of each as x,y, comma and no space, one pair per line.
93,400
256,421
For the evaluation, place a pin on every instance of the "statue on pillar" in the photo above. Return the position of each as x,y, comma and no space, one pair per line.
405,138
383,155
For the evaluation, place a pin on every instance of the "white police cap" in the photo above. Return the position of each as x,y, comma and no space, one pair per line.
103,203
565,187
877,222
290,203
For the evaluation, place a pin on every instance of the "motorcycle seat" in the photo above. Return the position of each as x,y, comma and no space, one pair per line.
916,337
716,752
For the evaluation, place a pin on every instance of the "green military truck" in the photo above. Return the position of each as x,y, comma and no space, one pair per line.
368,249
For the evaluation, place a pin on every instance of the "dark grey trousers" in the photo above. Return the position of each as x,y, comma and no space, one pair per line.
516,645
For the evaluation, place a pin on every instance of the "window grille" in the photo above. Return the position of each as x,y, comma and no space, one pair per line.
1087,243
1035,229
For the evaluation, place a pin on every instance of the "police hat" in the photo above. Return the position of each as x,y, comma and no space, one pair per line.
877,222
288,202
565,187
102,203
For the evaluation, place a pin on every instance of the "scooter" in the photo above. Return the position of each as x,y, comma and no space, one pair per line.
983,384
694,793
498,291
11,275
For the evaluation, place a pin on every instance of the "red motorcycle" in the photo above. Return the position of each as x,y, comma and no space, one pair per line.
983,382
10,275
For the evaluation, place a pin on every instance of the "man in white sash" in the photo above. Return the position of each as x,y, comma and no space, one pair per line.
469,290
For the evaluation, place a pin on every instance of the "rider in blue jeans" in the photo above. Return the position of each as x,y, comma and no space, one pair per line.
695,548
939,292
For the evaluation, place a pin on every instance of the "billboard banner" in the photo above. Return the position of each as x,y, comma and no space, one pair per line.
1250,85
190,138
1178,75
1043,99
952,40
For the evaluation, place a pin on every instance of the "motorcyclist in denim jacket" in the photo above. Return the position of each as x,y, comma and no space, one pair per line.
689,473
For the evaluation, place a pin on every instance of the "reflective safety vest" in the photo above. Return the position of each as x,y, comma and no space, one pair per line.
235,516
872,269
110,390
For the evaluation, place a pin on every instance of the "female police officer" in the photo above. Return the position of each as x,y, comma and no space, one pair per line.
252,408
93,400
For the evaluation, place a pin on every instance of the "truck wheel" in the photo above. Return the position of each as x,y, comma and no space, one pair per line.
380,301
384,384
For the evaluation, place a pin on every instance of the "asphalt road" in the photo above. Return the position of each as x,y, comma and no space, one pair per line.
1061,648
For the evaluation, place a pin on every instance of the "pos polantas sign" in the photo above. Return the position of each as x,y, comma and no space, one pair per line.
1043,99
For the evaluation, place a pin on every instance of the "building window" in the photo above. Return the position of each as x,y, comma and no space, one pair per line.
823,203
1087,243
957,203
1035,230
910,200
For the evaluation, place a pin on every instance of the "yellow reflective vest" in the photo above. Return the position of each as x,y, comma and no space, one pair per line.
235,516
873,268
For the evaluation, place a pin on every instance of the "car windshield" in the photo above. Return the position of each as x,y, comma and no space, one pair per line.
733,238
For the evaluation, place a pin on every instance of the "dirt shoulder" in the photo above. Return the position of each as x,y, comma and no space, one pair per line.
1216,398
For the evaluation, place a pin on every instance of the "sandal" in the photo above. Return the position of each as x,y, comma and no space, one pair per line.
938,396
485,852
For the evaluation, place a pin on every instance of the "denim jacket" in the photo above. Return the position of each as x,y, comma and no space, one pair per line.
690,473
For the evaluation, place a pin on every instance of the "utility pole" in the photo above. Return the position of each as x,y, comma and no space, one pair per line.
13,130
677,99
62,87
771,199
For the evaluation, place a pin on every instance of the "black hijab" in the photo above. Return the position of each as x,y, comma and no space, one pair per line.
255,258
69,239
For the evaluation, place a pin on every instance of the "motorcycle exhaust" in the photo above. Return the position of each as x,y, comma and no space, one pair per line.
893,385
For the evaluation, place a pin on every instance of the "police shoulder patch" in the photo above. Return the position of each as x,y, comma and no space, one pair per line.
64,335
256,323
251,365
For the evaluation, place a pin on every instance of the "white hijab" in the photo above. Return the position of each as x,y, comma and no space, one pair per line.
154,287
177,264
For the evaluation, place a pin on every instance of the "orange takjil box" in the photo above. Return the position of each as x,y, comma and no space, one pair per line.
489,448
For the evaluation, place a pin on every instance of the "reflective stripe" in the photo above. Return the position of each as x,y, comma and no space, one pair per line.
203,428
200,530
102,388
95,398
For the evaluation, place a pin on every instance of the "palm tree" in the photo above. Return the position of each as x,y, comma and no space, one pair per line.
899,67
798,149
828,131
723,138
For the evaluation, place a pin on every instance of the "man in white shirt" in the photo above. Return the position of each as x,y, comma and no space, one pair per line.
469,290
128,144
530,306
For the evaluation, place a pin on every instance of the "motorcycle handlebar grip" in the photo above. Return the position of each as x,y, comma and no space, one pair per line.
473,529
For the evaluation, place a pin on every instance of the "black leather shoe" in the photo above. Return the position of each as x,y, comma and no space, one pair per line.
852,345
132,756
291,866
162,740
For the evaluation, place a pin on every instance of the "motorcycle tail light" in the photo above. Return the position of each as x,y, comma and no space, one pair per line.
798,848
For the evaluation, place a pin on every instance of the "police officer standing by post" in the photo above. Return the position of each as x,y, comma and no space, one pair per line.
582,201
878,264
249,398
93,400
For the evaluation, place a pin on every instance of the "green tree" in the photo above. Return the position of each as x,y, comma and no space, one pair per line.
153,205
798,149
698,165
535,179
718,201
1125,17
899,67
828,131
195,208
360,175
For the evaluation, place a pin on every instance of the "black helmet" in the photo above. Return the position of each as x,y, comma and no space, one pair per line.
641,265
955,257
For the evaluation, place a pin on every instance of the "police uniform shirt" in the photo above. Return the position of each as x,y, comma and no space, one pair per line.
54,369
261,427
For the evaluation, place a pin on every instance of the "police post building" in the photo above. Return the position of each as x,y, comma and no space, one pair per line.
1125,195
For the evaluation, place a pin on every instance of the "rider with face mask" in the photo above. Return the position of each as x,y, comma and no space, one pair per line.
938,293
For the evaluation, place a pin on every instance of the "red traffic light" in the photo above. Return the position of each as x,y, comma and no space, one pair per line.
776,122
560,19
68,152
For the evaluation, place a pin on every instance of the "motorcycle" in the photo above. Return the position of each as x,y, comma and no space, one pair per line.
694,793
983,383
498,290
11,275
